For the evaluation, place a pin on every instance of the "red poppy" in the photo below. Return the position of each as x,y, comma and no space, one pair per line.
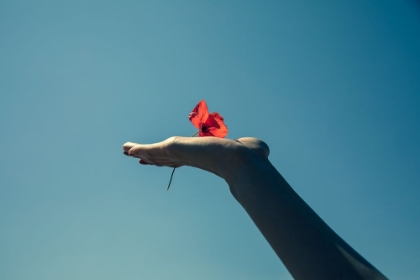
207,124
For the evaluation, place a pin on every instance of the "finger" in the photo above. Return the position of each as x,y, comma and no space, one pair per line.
127,146
141,161
148,151
127,154
162,162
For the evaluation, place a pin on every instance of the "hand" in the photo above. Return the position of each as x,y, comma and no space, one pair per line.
212,154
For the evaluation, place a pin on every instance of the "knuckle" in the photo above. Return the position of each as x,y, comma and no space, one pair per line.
170,144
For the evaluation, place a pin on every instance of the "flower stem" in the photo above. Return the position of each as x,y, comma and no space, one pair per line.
172,174
170,180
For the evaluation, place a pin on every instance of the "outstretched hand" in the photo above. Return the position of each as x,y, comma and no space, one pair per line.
212,154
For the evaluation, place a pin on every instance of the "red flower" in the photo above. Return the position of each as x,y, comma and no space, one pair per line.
207,124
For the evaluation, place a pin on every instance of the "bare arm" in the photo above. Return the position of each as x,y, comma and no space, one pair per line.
307,246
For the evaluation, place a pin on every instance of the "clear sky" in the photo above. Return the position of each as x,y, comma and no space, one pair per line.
333,87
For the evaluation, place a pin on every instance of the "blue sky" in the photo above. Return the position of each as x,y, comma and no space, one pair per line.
333,88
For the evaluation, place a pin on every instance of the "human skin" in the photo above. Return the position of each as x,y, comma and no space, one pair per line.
306,245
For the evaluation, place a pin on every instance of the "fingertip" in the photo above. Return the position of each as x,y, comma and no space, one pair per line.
144,162
127,146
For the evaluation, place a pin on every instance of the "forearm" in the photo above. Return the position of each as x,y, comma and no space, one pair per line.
305,244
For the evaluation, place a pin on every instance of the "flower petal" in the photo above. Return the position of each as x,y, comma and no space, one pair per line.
199,114
211,121
216,125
